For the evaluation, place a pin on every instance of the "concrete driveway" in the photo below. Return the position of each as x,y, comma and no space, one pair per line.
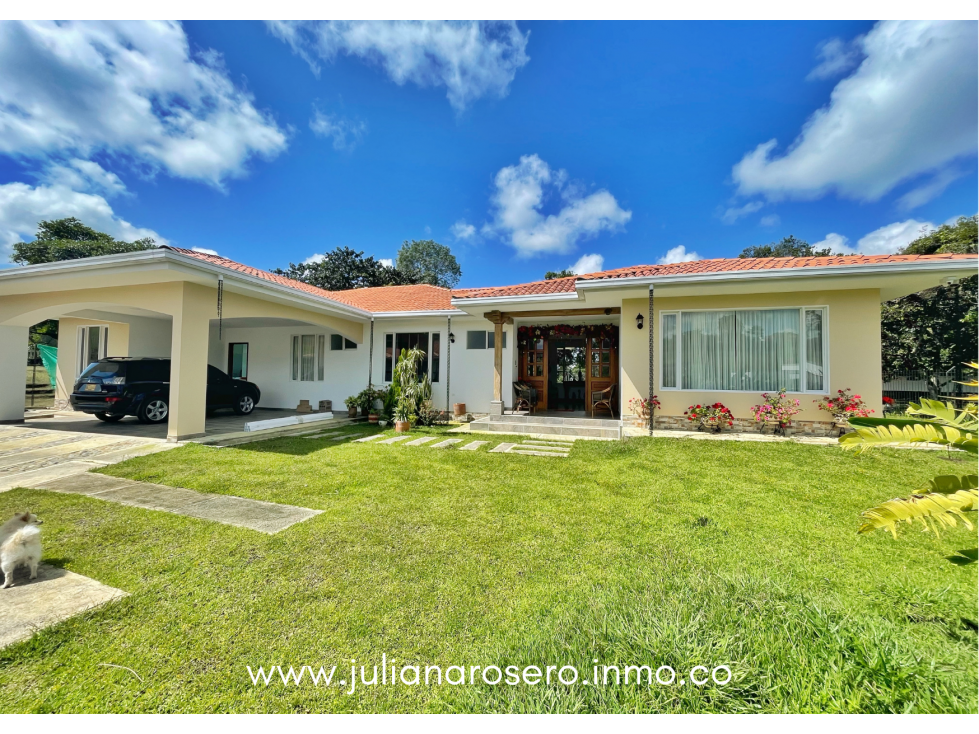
222,422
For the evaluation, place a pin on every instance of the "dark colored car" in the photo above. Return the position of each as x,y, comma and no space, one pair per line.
115,387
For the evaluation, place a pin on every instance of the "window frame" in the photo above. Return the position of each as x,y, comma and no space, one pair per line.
83,344
390,359
295,357
803,362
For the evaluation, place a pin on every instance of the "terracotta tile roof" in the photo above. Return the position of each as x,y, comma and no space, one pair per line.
390,298
697,267
396,298
537,288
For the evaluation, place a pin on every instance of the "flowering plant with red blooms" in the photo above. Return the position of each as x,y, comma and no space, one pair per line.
846,405
714,417
640,406
887,400
776,410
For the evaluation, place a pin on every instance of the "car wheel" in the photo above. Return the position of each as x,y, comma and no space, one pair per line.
109,418
244,405
154,410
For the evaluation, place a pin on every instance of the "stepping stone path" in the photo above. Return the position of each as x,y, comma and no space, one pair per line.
266,517
365,439
395,439
557,447
54,596
473,445
421,441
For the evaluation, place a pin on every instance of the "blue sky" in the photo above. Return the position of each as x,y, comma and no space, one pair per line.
524,147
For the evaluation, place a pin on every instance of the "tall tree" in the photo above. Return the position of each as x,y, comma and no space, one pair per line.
344,269
70,239
789,246
552,274
934,330
429,262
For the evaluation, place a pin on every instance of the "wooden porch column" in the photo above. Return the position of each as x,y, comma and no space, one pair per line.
498,319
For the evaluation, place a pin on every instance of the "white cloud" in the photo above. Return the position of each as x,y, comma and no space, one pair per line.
134,89
346,134
588,264
836,58
462,230
519,198
471,59
884,241
835,243
733,214
23,206
929,190
909,109
82,175
893,237
771,220
386,262
204,250
678,254
315,258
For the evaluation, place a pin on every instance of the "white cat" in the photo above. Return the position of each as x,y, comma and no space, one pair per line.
20,545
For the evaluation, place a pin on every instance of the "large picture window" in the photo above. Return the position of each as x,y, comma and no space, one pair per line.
744,350
394,343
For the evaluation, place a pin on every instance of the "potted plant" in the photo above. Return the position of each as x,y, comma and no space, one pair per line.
411,393
843,407
710,417
776,411
640,408
351,404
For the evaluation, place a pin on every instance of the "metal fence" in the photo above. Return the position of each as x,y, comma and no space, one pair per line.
911,386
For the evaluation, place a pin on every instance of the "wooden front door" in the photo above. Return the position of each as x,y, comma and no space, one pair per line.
601,368
533,369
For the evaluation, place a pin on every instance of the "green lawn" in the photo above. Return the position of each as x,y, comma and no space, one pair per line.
648,552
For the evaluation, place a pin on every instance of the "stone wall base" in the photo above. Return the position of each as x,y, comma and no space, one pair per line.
797,428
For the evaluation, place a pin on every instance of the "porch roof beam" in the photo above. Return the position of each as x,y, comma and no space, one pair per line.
563,312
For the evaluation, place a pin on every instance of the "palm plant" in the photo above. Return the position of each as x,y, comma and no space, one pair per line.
409,391
947,497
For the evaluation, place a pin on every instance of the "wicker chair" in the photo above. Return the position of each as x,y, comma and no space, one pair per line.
525,397
603,398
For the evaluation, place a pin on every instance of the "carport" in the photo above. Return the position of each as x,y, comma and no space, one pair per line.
157,303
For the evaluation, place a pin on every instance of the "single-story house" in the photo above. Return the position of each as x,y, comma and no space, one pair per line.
696,332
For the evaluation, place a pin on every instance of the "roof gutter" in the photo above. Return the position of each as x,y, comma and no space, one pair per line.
492,300
961,265
161,256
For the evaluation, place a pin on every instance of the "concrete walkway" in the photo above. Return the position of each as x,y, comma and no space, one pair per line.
54,596
29,455
266,517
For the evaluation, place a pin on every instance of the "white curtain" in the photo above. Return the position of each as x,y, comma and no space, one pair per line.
308,358
757,350
768,350
814,351
669,350
708,350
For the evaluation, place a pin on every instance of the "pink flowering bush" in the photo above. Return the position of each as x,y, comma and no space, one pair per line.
844,406
776,410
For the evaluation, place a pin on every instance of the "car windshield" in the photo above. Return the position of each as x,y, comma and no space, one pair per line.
104,369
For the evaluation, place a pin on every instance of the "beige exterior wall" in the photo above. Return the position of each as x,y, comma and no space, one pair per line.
853,336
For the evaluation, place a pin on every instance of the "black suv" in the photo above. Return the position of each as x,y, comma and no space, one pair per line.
115,387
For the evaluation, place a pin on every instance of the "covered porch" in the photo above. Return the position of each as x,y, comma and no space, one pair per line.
566,364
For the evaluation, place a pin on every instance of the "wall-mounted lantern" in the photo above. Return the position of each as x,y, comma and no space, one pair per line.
452,338
639,321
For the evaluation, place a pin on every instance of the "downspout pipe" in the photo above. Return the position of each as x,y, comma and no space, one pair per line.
652,360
